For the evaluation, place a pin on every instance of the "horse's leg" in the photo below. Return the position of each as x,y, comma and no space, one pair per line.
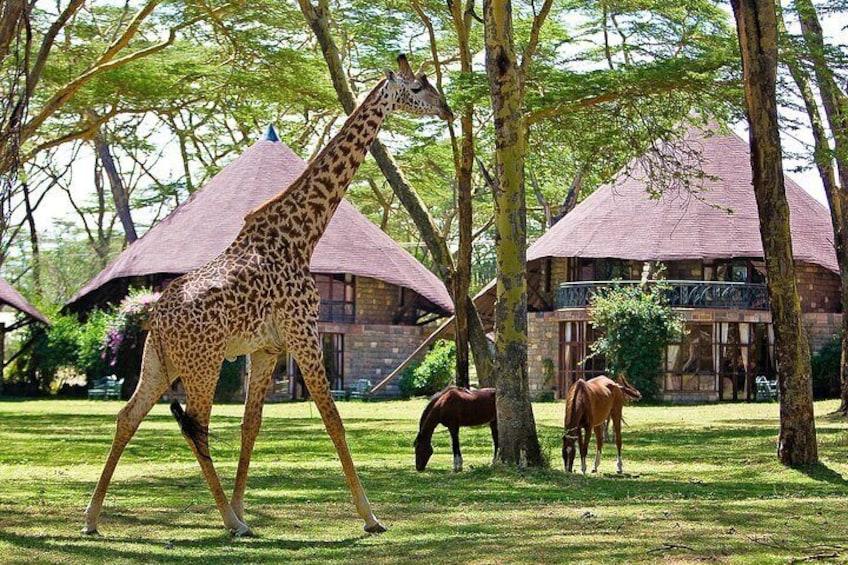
583,439
152,384
261,369
599,441
616,427
494,426
457,455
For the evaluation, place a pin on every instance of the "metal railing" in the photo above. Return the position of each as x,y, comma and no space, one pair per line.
681,294
337,311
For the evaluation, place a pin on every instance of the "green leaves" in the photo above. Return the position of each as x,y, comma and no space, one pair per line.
636,324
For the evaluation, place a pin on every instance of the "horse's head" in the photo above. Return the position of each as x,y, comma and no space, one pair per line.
423,451
630,391
568,449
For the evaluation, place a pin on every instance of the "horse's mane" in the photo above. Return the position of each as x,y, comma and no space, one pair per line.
429,408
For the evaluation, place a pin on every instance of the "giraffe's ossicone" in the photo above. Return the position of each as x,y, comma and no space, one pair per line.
258,298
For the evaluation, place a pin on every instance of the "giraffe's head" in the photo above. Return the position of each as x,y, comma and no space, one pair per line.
413,92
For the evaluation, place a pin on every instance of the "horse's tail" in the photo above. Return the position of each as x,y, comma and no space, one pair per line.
630,391
191,429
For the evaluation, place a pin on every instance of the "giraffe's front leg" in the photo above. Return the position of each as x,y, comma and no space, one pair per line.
303,343
260,371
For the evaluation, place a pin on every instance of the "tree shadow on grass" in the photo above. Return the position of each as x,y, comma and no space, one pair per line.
215,547
822,473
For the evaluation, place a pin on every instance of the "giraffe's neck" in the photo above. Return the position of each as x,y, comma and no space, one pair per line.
307,206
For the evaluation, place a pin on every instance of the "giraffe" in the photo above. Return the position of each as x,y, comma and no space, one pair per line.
258,298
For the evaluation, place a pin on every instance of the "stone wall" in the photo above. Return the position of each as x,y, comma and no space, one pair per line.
374,351
818,288
376,301
542,343
821,328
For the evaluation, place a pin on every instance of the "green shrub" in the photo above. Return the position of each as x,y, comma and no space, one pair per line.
90,353
230,380
636,325
546,396
825,369
64,344
109,342
433,374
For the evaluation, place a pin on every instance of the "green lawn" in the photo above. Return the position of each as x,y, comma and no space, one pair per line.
701,485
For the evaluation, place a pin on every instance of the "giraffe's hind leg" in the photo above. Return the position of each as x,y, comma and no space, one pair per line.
261,370
152,384
200,391
303,343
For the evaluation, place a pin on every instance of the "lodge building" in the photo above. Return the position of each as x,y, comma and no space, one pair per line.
709,245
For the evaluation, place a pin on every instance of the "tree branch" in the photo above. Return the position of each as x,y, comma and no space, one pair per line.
533,40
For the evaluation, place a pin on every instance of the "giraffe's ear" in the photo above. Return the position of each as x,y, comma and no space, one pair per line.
390,75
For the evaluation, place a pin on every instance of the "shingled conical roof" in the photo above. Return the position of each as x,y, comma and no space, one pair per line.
205,224
619,220
10,296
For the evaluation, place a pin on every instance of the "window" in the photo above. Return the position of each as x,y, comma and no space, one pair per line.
332,346
337,298
689,364
575,341
722,356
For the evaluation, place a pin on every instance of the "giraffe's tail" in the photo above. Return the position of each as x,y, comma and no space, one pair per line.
191,429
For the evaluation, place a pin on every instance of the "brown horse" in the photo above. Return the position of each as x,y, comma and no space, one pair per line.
455,407
587,406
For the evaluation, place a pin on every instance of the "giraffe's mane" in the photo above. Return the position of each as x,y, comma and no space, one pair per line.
375,92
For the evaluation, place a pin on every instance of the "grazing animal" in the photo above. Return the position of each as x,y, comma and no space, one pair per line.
258,298
588,405
455,407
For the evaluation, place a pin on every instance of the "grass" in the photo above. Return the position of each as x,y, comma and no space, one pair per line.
701,485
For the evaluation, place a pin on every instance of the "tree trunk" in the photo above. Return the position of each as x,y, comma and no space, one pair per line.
757,29
33,240
519,444
481,347
835,106
2,354
464,165
119,192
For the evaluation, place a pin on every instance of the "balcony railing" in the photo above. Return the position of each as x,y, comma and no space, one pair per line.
681,294
336,311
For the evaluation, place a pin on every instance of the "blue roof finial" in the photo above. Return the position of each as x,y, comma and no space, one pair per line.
272,134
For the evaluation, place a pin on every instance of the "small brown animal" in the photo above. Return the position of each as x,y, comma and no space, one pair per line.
455,407
588,405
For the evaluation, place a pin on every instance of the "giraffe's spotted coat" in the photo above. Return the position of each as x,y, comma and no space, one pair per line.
258,298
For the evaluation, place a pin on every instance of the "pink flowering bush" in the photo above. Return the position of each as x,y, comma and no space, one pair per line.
127,324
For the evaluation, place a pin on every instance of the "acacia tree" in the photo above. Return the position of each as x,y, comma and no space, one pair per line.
809,64
756,24
507,75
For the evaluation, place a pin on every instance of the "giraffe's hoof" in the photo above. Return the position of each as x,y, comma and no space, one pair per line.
375,528
242,531
90,531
